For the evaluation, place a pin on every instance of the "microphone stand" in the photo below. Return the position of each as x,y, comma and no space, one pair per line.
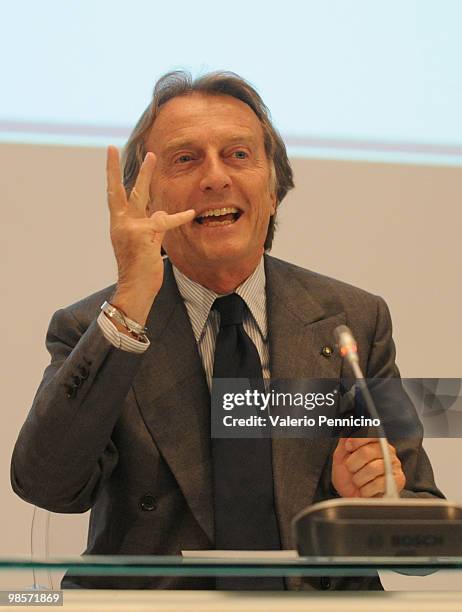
387,526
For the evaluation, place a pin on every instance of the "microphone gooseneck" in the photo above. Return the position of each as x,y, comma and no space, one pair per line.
349,351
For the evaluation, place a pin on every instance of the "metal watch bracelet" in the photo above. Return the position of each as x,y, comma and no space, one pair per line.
132,326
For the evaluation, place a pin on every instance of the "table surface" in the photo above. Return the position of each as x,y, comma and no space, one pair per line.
241,565
216,601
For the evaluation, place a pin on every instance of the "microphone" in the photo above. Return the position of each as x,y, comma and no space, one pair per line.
349,351
347,346
388,526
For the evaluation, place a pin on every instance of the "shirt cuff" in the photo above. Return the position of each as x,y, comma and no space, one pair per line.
119,339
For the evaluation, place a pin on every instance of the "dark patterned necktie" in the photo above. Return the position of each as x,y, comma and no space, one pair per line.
245,517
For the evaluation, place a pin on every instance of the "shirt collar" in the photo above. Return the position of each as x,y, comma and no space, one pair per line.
198,299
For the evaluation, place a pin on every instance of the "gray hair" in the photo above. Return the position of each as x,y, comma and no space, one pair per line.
180,83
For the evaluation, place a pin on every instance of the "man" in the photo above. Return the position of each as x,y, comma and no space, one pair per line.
121,421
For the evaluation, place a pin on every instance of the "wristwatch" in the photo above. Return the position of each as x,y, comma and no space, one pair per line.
135,329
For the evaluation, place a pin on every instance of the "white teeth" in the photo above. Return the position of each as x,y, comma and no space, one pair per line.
216,212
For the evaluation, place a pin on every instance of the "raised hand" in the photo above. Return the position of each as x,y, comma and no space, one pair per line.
137,238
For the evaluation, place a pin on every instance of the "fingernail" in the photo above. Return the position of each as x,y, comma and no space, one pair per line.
348,445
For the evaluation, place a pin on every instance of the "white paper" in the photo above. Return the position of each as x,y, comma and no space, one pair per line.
241,554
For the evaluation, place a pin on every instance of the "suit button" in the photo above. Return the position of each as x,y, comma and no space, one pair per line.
84,372
71,391
325,583
148,502
77,381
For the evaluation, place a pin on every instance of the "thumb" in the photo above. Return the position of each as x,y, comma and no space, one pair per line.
340,452
162,221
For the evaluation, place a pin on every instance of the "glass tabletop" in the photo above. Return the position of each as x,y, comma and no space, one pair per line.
237,566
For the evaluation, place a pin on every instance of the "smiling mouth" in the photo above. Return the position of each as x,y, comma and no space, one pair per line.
216,217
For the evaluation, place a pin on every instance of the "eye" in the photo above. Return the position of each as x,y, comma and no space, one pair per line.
183,159
240,154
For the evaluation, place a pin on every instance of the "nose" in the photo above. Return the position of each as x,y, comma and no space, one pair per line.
215,175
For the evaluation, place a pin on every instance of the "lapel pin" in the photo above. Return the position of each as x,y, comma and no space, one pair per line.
327,351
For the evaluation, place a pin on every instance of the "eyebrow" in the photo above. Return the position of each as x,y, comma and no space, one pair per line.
181,143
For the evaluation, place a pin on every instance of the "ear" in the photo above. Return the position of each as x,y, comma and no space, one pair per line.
274,204
272,189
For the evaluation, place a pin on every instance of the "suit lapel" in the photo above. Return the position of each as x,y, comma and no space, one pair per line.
174,399
298,328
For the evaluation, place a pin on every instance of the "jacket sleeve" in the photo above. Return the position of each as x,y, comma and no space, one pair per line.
381,365
64,451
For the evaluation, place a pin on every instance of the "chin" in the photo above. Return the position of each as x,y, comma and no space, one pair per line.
227,253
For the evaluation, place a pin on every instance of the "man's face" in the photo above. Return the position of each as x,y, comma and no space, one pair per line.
211,156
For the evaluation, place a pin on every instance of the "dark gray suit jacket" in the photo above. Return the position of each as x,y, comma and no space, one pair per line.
128,435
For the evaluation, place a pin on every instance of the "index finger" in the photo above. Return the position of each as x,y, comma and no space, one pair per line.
116,196
353,444
139,195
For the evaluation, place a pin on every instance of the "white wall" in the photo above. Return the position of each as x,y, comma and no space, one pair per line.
391,229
